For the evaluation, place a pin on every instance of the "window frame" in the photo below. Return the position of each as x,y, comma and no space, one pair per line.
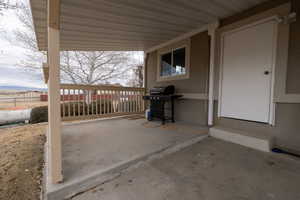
171,49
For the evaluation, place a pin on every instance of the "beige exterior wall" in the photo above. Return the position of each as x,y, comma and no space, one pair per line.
189,110
293,73
287,128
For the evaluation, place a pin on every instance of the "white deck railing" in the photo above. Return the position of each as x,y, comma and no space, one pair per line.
91,101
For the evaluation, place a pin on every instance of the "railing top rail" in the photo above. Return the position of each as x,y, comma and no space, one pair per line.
99,87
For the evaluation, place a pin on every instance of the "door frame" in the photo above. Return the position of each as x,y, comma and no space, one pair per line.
272,104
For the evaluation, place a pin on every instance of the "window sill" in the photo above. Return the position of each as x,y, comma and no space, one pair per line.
172,78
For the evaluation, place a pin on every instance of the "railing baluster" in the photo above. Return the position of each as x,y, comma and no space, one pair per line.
138,101
96,100
73,103
100,102
83,103
109,101
141,101
63,104
119,101
78,103
114,101
105,102
92,102
122,101
86,102
128,100
69,105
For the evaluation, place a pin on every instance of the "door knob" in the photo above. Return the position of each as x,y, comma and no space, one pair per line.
266,72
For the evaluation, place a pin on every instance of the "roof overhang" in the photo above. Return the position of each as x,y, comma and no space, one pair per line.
118,25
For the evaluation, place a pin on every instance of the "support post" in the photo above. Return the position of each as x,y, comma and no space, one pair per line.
212,32
145,70
144,103
54,117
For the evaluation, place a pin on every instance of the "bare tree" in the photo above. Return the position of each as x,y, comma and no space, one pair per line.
6,4
97,67
77,67
24,37
137,79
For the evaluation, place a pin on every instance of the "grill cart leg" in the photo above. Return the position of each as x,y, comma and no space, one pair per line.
163,119
172,111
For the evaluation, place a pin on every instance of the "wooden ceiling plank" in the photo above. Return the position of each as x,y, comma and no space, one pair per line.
160,8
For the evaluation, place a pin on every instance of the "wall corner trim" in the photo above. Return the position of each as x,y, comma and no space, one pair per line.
212,32
212,27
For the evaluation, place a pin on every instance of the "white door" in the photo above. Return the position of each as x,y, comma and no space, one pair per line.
246,72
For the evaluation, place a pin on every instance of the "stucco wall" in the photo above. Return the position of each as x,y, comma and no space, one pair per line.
189,110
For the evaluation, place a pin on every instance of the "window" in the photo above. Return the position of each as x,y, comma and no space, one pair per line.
173,64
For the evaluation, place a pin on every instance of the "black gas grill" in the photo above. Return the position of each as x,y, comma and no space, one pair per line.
159,97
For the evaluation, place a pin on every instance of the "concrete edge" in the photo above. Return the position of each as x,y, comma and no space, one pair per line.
66,123
244,140
100,177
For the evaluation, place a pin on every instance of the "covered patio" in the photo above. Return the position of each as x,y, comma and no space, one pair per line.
81,155
115,26
95,151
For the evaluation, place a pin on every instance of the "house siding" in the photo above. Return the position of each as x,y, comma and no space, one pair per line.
293,73
188,110
287,127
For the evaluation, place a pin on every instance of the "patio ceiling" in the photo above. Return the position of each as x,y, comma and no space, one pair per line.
130,24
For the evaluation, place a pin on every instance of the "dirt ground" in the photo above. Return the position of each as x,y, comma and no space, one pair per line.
21,162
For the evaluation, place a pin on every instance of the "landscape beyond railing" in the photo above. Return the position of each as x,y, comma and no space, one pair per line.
91,101
20,102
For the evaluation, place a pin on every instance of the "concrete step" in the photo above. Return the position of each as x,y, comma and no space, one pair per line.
258,141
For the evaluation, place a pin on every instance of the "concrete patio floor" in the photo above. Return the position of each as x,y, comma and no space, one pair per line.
209,170
91,149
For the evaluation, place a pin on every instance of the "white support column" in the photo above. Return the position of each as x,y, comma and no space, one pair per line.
54,117
212,32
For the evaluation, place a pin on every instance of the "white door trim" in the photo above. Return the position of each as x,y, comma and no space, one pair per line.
272,103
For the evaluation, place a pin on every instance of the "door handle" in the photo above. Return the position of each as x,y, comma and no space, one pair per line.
266,72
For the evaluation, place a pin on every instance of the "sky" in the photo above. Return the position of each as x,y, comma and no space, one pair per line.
10,55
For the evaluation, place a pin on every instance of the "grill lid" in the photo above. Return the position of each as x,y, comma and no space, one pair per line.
167,90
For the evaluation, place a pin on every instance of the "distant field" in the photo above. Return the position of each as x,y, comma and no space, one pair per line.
11,100
21,105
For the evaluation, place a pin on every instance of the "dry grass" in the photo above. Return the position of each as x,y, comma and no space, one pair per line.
21,162
21,105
